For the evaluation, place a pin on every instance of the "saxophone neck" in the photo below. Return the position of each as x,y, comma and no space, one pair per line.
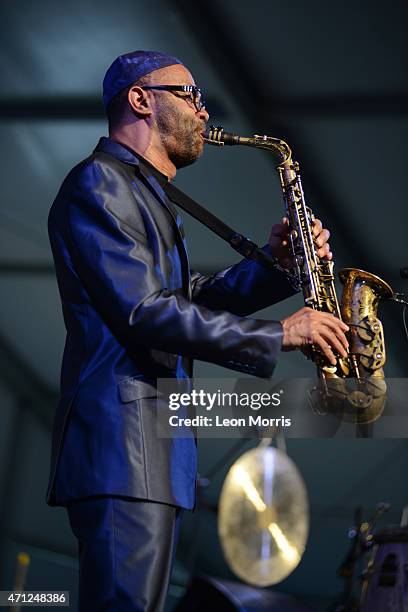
217,136
276,146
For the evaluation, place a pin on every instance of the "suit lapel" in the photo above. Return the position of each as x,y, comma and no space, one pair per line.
116,149
159,192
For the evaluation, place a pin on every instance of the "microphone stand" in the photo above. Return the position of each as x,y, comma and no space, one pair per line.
362,540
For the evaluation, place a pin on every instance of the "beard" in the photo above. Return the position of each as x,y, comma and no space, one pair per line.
180,134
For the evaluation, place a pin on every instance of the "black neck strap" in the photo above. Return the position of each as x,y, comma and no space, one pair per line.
237,241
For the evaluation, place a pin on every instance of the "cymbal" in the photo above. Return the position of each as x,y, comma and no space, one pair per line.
263,518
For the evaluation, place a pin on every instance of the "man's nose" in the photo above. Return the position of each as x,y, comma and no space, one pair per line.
202,113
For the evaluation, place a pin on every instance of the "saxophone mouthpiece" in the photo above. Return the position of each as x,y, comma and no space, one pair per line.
216,136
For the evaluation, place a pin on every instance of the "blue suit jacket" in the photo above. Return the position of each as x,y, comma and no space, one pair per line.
134,313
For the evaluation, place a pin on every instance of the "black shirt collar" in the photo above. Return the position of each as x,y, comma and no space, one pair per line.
162,179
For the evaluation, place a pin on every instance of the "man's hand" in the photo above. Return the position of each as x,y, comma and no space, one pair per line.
307,326
279,242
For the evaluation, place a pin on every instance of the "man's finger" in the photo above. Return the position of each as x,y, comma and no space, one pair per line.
323,237
332,327
335,344
280,231
325,349
341,340
332,320
324,251
317,227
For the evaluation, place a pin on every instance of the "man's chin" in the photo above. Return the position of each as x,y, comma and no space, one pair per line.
186,160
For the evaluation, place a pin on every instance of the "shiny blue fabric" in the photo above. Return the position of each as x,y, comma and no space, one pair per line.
134,313
126,549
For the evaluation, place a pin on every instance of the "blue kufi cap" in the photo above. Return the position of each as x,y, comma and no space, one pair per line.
128,68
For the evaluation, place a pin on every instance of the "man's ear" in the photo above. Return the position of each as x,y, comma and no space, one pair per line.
139,101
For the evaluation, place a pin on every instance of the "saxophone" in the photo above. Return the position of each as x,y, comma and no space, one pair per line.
355,386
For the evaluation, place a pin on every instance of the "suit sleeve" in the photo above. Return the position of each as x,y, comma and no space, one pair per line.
244,288
117,268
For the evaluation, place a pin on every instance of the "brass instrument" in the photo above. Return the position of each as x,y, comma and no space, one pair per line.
361,295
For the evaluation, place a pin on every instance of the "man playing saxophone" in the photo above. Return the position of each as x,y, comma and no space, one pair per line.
135,313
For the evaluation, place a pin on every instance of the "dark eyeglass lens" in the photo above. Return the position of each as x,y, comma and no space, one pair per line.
198,100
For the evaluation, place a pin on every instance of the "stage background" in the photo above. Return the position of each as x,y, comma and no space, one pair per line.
331,79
